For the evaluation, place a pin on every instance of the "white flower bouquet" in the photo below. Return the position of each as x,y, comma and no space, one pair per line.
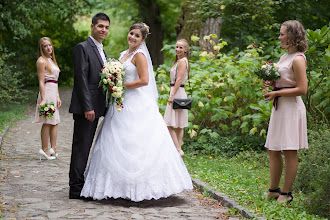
47,110
112,75
268,73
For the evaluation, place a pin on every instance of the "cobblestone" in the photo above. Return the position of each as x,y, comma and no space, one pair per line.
38,189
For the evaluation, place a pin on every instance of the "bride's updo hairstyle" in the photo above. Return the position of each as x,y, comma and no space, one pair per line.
296,35
143,28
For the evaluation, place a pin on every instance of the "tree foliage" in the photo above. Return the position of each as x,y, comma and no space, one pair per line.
22,24
160,15
259,20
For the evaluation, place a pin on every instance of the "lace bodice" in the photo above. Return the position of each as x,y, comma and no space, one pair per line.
131,73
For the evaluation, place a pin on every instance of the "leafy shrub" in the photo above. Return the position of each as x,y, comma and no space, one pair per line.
211,143
11,85
227,94
317,98
313,176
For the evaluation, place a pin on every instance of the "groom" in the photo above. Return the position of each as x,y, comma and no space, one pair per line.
88,103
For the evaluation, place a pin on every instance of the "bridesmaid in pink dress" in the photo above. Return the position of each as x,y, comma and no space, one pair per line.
177,119
287,130
48,73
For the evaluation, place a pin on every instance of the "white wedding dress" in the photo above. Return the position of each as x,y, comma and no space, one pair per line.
134,156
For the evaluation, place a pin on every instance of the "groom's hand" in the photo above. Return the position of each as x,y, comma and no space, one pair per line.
90,115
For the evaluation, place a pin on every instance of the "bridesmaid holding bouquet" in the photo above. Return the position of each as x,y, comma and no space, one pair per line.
48,73
287,131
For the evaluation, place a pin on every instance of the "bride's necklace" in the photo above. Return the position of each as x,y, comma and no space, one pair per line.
130,53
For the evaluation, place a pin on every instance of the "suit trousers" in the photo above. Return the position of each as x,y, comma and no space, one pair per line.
83,135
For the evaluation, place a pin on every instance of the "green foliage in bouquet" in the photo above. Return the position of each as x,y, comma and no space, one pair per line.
268,71
47,110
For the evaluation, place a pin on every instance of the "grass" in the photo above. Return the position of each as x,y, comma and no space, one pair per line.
9,113
245,179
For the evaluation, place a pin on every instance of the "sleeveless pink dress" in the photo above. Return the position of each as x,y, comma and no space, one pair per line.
287,126
178,117
50,95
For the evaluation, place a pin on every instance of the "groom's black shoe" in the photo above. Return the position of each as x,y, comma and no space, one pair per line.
72,196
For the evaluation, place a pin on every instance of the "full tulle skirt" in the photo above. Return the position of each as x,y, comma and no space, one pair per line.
134,156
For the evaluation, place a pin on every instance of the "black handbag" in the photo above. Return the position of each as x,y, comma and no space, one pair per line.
182,103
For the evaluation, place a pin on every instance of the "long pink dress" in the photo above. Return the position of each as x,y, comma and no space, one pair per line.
287,126
51,90
178,117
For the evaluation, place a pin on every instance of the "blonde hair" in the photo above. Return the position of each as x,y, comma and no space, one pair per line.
296,35
186,46
42,54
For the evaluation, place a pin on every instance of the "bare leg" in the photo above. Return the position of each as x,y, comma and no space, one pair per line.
45,131
276,167
179,134
174,137
53,136
290,172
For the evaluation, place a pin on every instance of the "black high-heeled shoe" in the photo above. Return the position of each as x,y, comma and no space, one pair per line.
278,190
289,194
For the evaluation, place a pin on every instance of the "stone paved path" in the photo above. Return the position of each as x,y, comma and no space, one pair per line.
38,189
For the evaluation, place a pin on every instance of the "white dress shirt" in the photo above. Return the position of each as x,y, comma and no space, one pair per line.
100,49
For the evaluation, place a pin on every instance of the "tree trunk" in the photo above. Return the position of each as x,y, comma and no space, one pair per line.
210,26
188,25
149,10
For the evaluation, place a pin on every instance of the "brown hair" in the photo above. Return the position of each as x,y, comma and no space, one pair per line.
296,35
186,46
143,28
42,54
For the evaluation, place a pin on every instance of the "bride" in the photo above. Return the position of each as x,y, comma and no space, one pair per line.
134,156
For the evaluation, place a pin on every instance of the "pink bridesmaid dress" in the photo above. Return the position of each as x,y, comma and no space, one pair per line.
177,118
287,126
51,90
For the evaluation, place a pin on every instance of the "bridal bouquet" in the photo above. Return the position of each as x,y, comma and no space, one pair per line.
267,72
47,110
112,75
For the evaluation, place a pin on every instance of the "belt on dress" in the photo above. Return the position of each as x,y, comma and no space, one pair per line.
172,84
275,102
51,81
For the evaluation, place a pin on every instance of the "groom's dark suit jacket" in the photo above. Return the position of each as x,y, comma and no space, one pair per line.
86,94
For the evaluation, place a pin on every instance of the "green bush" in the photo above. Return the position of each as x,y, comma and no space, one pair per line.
228,95
11,84
313,177
211,143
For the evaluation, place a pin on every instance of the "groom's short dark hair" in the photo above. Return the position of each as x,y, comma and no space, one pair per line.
99,16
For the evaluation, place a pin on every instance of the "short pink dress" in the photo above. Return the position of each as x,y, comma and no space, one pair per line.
287,126
177,118
51,90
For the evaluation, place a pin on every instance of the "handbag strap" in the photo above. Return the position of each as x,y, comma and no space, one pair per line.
176,72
